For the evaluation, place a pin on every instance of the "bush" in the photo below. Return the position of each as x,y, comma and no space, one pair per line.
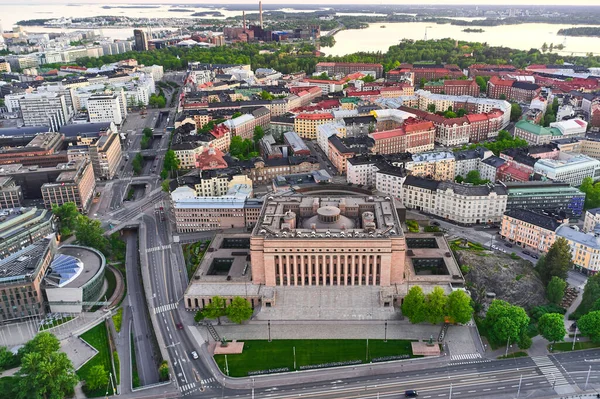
413,226
539,311
432,229
118,319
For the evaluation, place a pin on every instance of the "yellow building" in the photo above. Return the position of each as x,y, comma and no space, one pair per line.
435,165
585,249
306,124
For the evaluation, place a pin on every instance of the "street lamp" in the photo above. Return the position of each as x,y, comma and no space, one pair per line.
385,333
269,326
507,342
574,338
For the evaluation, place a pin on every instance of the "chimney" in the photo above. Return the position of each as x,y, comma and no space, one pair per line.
244,17
260,13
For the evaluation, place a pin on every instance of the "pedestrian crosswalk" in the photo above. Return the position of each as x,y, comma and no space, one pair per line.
188,388
550,371
466,356
165,308
207,381
159,248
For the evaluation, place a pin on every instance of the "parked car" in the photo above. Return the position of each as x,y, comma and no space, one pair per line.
179,326
526,252
411,393
535,256
508,244
435,223
194,354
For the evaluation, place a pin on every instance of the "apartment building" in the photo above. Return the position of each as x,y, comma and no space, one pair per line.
460,203
570,168
106,108
592,218
490,70
245,124
347,68
415,136
424,71
71,186
214,183
327,130
535,134
585,249
438,165
305,124
389,179
453,87
44,109
530,230
512,89
105,155
468,160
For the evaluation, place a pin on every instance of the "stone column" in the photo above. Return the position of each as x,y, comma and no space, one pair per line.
280,269
302,266
353,267
287,268
360,269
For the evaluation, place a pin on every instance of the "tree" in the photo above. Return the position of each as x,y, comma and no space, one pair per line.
459,307
505,321
431,108
413,305
556,290
590,300
215,309
90,233
422,83
96,378
67,215
544,47
592,193
482,83
171,162
552,327
555,105
163,371
46,376
589,325
556,262
199,316
450,114
435,306
43,343
137,163
459,179
7,359
165,186
239,310
259,133
502,96
515,112
147,131
461,112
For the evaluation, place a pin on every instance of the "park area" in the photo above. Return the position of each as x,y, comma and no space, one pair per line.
263,357
98,338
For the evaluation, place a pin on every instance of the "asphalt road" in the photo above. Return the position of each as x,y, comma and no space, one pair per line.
142,330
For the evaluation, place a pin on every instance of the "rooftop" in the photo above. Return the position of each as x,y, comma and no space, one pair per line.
589,240
546,222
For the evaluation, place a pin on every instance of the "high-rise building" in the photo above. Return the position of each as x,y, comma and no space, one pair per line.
141,40
72,186
105,108
44,109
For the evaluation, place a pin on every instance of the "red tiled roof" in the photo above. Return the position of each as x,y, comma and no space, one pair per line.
415,125
321,115
477,117
459,82
387,134
501,82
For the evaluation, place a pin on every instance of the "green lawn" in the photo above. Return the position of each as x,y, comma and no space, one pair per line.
55,323
260,355
566,346
193,254
98,338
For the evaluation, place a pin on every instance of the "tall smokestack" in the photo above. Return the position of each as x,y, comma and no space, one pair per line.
244,16
260,13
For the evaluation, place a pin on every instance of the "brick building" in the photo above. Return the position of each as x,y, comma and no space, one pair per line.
453,87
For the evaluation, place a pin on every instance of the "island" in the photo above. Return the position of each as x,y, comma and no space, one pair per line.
208,14
473,30
581,31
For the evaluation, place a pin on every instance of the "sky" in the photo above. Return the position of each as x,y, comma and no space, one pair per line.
322,2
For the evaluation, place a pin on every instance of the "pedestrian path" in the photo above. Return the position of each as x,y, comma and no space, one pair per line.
466,356
165,308
159,248
550,371
207,381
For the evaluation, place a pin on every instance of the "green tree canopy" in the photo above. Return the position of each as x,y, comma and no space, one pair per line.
259,133
171,162
552,327
435,306
590,297
556,262
515,112
96,378
505,321
459,307
215,309
46,375
239,310
90,233
589,325
43,343
67,215
592,193
163,371
413,305
482,83
555,291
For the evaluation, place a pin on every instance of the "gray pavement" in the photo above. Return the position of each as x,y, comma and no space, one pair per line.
77,350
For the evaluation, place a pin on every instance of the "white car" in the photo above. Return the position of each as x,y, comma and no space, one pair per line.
194,354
